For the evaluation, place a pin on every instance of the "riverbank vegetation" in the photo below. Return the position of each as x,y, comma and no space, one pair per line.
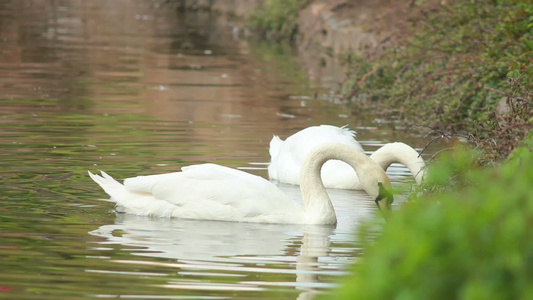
466,67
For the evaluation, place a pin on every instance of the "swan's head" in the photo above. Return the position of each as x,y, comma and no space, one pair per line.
384,199
377,184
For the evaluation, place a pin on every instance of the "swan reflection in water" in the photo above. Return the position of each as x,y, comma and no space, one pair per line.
208,248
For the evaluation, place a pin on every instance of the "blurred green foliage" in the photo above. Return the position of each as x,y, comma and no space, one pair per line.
277,18
474,241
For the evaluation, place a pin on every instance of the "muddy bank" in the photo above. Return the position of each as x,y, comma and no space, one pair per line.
326,29
334,26
329,30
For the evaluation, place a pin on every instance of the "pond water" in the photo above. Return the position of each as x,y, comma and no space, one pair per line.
136,88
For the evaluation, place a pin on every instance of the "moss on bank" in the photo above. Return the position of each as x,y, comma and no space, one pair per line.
459,61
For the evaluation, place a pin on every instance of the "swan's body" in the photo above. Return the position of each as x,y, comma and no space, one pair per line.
287,157
215,192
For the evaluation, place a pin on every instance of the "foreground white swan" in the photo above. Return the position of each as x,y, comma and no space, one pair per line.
215,192
287,157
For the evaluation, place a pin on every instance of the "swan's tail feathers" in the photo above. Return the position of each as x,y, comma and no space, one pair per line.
275,145
349,131
112,187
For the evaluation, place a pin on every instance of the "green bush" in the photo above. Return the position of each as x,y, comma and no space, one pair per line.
472,242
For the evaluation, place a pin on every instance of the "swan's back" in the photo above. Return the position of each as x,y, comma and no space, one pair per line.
302,142
287,156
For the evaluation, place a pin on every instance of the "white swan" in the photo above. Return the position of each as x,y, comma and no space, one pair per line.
214,192
287,157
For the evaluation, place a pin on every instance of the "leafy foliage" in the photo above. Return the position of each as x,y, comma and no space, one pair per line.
472,242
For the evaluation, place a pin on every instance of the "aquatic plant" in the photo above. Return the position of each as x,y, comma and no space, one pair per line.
470,242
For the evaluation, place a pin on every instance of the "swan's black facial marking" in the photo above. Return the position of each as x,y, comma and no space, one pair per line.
384,199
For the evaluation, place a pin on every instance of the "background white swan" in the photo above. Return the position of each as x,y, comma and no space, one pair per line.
214,192
287,157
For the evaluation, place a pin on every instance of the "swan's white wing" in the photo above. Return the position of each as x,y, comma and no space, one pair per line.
210,191
302,142
146,183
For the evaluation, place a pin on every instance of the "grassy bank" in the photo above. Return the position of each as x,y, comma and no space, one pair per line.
459,60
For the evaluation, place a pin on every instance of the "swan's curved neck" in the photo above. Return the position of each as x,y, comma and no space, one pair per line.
403,154
318,205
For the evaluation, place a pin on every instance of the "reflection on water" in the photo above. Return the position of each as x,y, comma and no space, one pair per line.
133,88
237,252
